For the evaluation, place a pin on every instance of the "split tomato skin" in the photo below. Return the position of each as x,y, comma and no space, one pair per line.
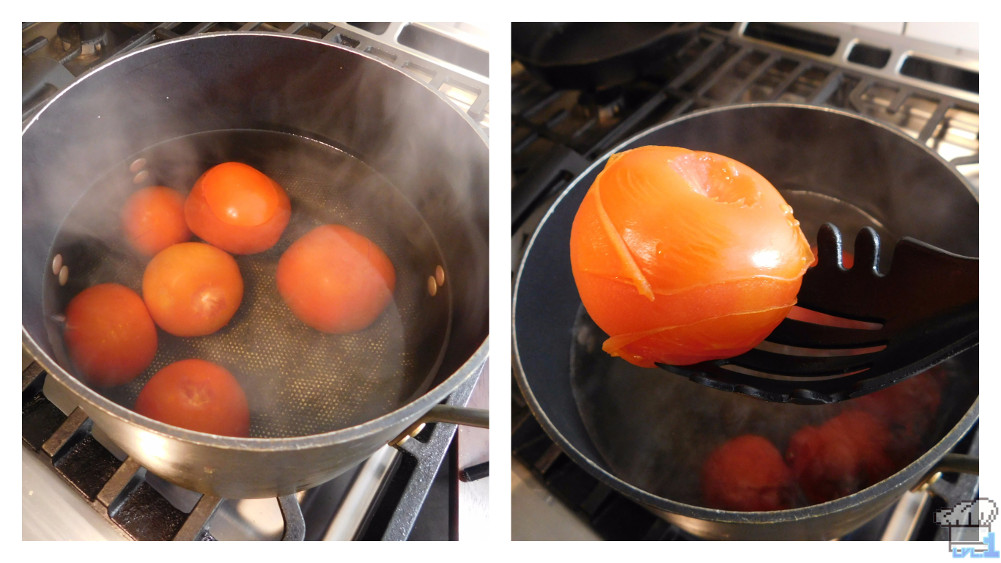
336,280
153,219
197,395
747,473
237,208
683,256
109,334
192,289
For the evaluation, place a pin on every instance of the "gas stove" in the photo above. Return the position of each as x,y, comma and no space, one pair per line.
928,89
77,484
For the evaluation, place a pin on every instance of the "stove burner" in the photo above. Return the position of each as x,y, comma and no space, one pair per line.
604,105
91,38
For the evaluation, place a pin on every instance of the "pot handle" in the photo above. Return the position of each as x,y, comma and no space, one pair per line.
957,463
479,418
950,463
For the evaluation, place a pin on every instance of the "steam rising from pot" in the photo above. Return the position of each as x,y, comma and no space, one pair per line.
350,139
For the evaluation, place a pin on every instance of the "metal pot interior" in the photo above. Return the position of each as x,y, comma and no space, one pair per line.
646,432
352,140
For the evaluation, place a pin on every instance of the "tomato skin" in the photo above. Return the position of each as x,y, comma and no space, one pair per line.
683,256
747,473
237,208
336,280
109,334
153,219
197,395
192,289
847,258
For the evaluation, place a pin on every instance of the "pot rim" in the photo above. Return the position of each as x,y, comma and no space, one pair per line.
904,477
406,413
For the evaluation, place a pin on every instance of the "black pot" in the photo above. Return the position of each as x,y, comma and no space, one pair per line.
595,55
345,107
617,421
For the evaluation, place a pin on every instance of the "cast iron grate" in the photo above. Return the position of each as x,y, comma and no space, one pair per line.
556,134
120,490
456,69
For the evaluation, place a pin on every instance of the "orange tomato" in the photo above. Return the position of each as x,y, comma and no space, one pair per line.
109,334
237,208
335,280
808,316
153,219
847,258
197,395
683,256
192,289
747,473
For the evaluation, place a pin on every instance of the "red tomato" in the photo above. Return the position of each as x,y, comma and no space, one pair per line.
842,456
197,395
153,219
908,409
747,473
192,289
336,280
109,334
684,256
237,208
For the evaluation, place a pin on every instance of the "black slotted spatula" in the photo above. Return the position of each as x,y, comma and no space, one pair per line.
877,325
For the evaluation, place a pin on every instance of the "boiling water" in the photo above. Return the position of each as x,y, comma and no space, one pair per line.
298,381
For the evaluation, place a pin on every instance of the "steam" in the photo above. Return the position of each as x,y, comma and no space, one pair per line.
352,142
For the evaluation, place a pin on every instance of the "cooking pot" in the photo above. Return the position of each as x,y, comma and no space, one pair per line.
595,55
645,432
352,140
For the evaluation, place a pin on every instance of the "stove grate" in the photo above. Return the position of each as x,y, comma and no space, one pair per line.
556,133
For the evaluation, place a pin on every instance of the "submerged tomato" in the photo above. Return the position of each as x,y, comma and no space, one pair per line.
909,409
684,256
192,289
109,334
747,473
153,219
841,456
197,395
237,208
336,280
